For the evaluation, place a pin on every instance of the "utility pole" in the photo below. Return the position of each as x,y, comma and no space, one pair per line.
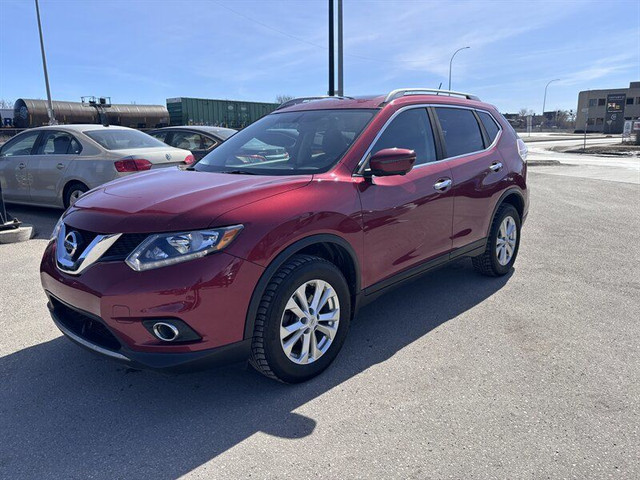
340,90
335,48
451,62
332,76
52,120
544,102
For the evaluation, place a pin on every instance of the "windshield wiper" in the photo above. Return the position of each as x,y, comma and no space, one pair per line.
238,172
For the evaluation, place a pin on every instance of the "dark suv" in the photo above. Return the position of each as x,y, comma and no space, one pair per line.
239,258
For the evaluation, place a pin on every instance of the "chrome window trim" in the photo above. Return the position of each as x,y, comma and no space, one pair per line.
365,158
91,254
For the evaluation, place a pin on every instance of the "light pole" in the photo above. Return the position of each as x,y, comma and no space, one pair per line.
451,62
52,120
544,102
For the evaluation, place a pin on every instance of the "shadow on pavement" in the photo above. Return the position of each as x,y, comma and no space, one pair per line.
66,413
42,219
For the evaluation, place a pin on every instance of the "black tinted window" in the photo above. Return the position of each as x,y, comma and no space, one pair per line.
412,130
460,130
489,125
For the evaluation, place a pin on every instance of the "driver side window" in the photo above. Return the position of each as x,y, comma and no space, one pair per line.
411,129
21,145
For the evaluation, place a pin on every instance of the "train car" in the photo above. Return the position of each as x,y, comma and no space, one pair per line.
212,112
28,113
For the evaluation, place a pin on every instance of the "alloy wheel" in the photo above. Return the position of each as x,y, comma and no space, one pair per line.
309,322
506,240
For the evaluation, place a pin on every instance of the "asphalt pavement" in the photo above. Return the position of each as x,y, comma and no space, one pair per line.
533,375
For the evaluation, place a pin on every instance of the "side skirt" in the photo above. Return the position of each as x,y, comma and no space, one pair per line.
372,292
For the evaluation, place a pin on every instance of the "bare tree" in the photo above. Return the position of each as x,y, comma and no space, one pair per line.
284,98
524,112
6,103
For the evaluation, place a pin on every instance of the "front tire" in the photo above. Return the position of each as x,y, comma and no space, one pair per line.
302,320
502,245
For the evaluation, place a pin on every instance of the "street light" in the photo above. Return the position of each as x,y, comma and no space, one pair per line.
451,61
544,102
52,120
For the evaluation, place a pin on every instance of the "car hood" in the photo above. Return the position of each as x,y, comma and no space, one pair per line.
171,199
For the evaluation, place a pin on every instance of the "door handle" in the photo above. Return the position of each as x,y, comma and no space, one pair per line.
22,165
495,166
60,166
442,184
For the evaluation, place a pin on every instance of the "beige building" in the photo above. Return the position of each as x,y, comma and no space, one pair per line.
606,110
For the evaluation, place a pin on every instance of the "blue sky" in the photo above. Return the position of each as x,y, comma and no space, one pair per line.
147,51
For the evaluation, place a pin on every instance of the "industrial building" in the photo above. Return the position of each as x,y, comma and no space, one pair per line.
606,110
220,113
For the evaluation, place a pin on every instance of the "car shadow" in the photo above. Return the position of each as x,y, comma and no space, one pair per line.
66,413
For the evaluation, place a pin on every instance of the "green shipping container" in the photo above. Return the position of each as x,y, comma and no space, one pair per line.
220,113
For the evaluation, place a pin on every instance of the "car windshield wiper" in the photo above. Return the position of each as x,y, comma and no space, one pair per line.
238,172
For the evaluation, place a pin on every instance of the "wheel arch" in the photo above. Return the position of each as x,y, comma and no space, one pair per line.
330,247
512,196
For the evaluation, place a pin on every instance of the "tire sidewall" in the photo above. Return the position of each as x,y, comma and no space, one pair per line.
505,211
74,188
279,363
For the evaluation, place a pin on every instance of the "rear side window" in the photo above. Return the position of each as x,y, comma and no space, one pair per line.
490,126
58,143
460,130
411,129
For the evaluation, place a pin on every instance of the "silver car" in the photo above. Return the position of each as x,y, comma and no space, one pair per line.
53,166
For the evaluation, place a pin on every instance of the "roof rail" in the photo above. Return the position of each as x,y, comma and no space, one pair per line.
298,100
401,92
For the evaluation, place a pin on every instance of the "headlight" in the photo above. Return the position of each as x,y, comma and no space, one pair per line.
56,229
164,249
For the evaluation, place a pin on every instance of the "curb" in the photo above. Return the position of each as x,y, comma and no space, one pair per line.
21,234
543,163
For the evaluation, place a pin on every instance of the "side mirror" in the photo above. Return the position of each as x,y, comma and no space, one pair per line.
392,161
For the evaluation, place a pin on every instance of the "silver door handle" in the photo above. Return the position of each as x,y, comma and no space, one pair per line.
442,184
22,165
496,166
60,166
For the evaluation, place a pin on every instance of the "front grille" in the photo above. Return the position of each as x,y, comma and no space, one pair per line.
123,246
84,326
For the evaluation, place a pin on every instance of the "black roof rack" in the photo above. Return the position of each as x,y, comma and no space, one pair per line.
298,100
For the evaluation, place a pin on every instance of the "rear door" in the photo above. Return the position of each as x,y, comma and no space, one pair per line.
407,219
14,158
476,167
55,152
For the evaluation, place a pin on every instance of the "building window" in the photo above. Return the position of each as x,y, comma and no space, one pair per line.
593,102
601,102
591,121
599,121
630,101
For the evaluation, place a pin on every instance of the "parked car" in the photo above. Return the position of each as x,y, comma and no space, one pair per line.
53,166
269,261
201,140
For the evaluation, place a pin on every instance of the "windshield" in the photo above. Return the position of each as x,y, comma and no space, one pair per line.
121,139
289,143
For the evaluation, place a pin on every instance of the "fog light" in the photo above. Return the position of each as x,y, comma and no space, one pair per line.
171,330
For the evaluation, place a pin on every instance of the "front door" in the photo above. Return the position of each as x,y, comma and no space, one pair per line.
407,219
55,153
14,158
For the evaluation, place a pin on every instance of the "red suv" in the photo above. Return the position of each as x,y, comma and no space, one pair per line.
248,257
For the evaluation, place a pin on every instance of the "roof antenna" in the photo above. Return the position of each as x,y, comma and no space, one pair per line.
439,87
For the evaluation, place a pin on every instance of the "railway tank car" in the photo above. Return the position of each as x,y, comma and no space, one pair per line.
30,113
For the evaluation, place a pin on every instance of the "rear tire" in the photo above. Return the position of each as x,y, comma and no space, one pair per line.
73,192
302,320
502,245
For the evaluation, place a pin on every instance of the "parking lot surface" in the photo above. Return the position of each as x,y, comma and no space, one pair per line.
534,375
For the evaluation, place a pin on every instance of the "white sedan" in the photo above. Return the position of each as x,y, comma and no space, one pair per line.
52,166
